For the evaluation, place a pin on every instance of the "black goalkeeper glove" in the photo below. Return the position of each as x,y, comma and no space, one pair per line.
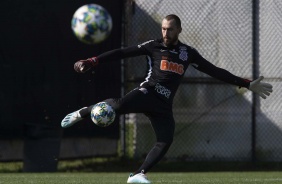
83,66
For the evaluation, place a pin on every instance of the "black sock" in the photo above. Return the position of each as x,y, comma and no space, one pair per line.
154,156
86,112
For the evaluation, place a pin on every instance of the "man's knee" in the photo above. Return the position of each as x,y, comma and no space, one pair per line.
114,102
165,138
163,145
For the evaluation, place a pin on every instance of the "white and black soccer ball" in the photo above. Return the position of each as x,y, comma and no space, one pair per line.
102,114
91,23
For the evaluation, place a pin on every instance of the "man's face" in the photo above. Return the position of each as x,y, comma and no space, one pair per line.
170,32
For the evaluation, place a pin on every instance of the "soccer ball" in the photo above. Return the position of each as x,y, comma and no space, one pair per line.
102,114
91,23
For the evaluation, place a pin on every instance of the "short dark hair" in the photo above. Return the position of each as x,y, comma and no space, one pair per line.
175,18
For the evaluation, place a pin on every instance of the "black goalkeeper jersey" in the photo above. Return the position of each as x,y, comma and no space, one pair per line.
168,65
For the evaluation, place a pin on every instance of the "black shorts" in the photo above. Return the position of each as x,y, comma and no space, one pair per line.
145,100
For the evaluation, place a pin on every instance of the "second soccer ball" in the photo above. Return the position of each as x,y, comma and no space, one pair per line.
102,114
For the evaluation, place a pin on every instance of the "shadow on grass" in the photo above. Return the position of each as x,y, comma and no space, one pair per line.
129,165
116,164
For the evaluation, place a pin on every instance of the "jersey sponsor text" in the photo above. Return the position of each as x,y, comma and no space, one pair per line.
172,67
162,90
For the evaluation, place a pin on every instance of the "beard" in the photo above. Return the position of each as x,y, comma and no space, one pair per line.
170,41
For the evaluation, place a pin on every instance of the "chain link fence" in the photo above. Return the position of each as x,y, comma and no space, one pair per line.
269,117
214,120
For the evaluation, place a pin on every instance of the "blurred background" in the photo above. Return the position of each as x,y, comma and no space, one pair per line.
215,122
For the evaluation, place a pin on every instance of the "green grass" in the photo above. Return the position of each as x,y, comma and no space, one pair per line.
155,177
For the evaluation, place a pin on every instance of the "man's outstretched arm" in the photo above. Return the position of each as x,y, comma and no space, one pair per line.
256,86
82,66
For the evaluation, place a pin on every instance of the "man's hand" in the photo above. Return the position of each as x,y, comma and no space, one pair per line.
83,66
261,88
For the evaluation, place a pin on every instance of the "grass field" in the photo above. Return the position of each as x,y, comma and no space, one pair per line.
115,178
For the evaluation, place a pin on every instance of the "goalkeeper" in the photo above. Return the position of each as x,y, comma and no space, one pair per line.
168,59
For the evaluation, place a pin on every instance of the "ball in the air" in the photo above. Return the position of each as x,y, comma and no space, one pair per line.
91,23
